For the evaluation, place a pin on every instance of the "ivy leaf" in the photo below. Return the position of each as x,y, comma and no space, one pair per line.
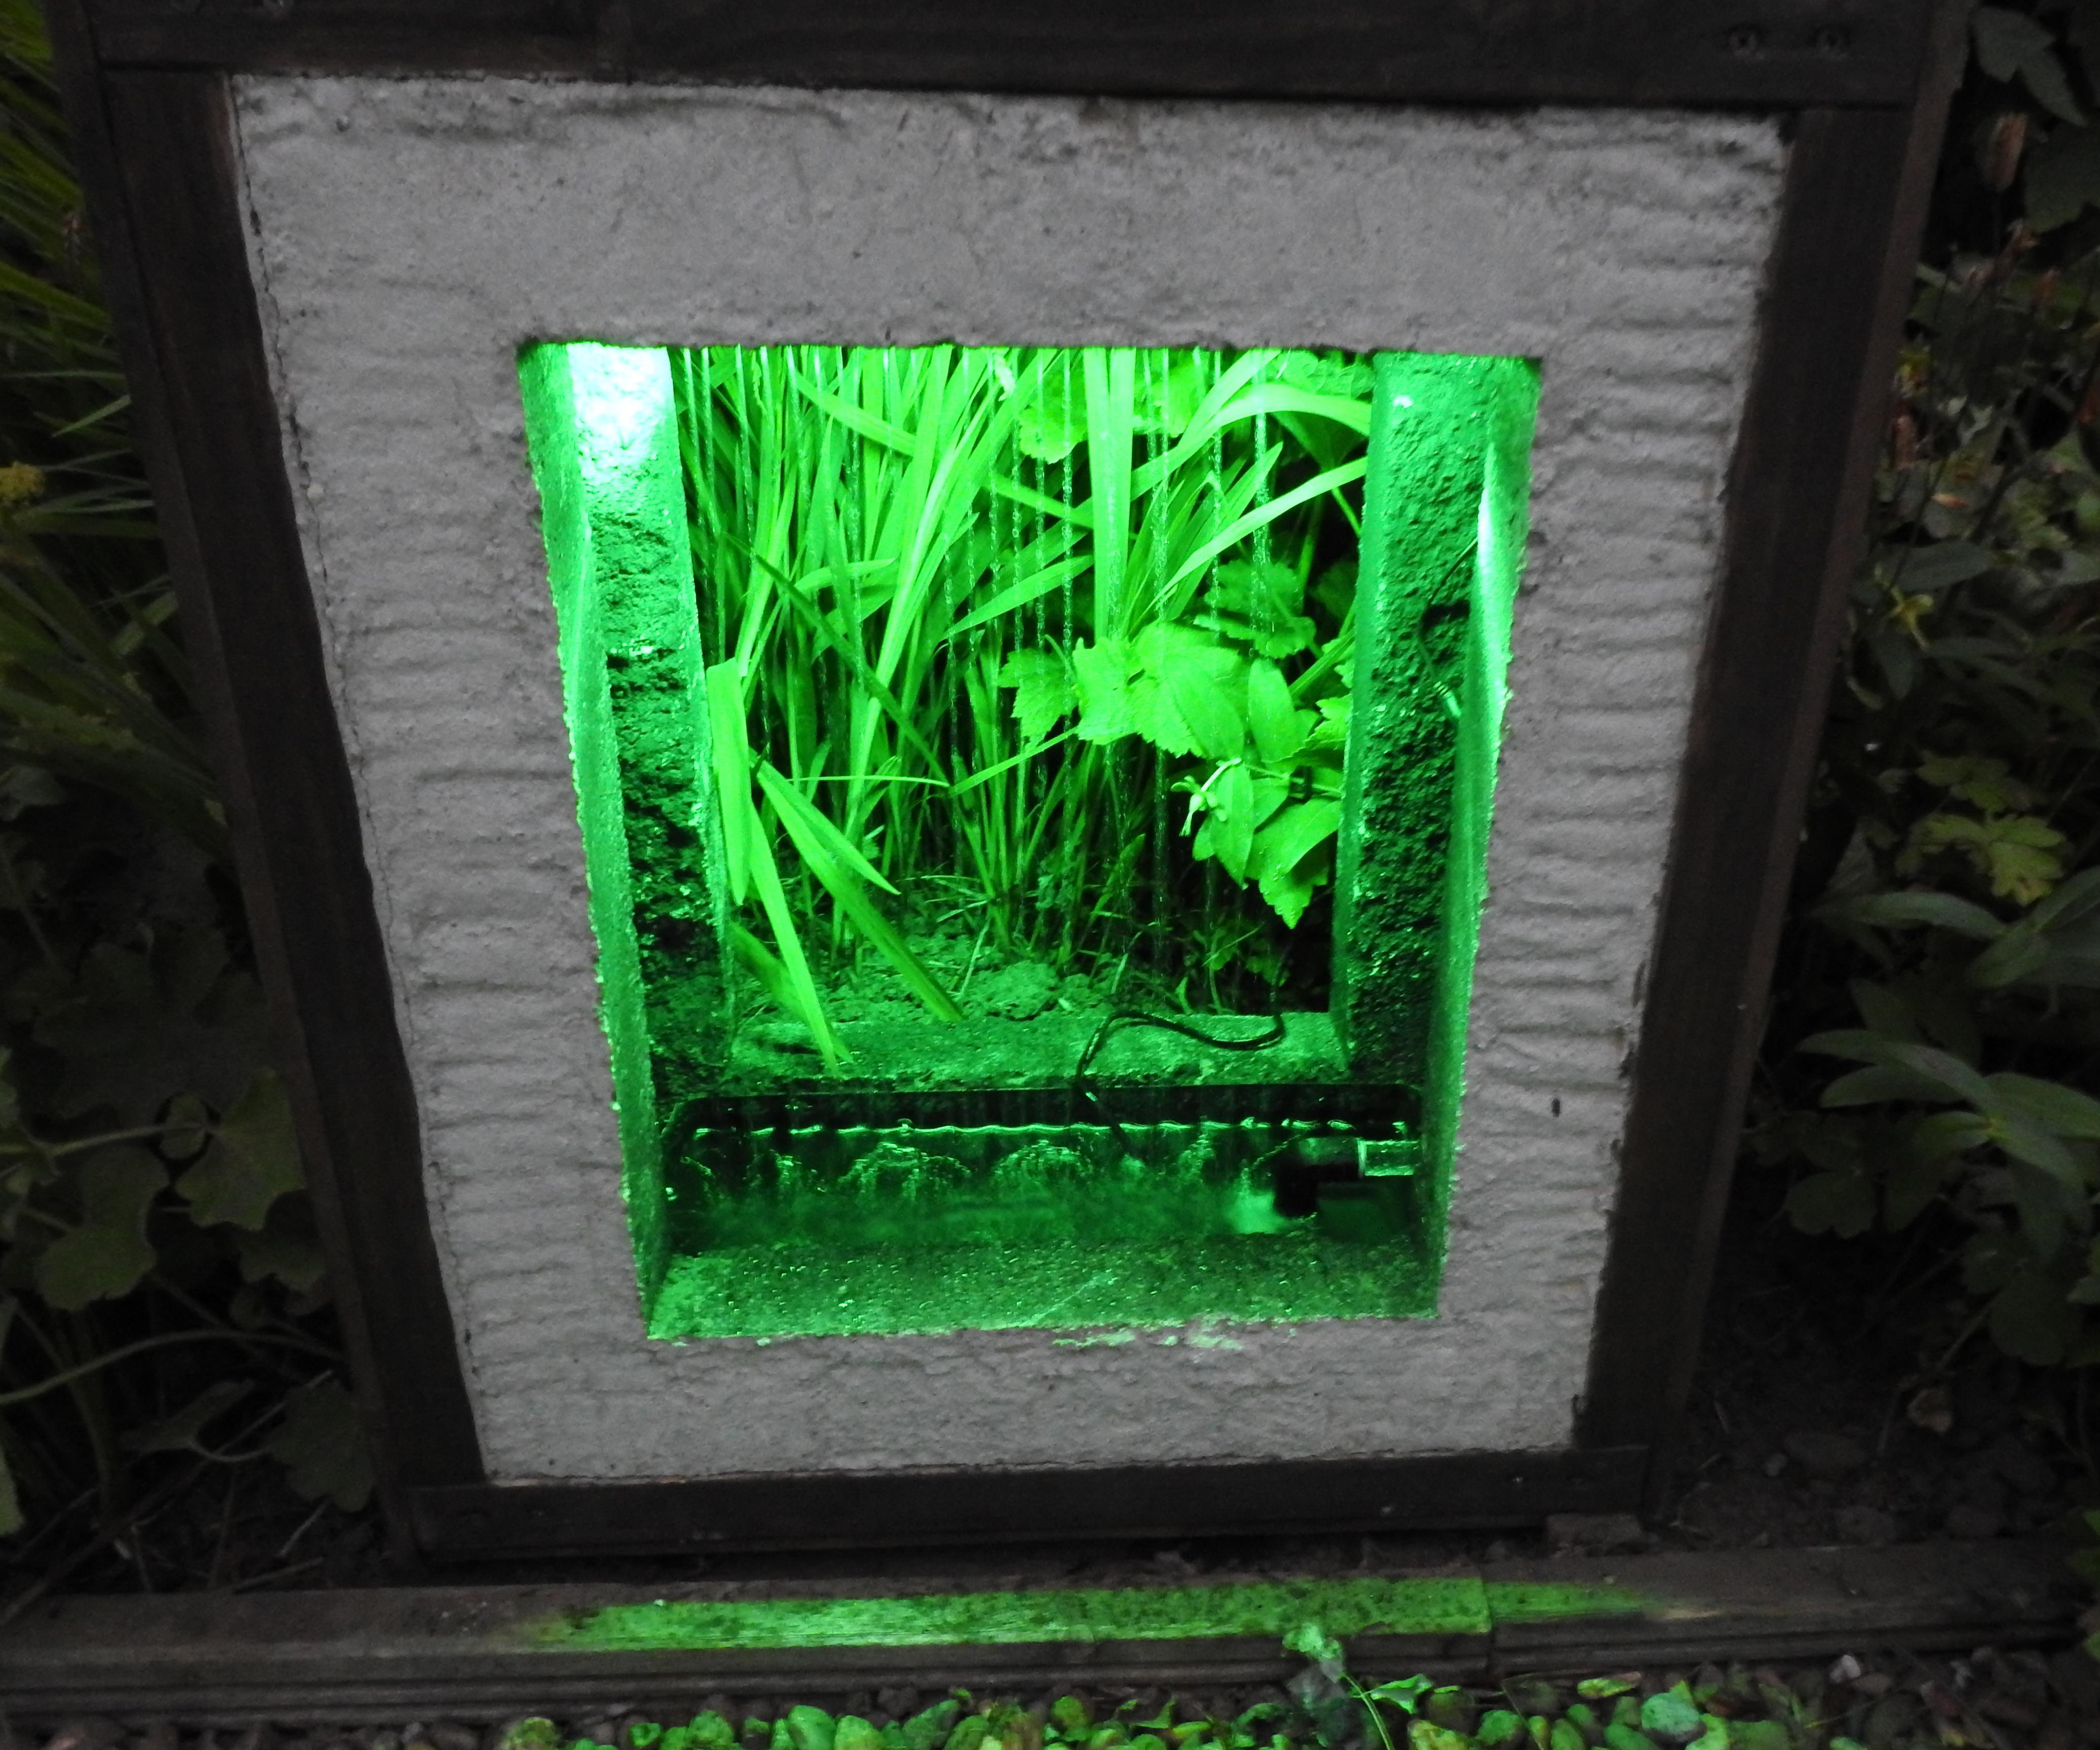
108,1252
320,1443
1839,1203
1043,691
252,1160
136,1029
2011,45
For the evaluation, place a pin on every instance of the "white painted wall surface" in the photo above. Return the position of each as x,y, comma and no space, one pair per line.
409,234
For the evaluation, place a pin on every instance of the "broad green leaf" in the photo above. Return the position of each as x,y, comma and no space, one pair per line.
1044,690
1941,566
2020,954
1101,676
287,1257
320,1443
1840,1203
1987,783
1896,911
108,1252
2029,1143
1293,834
1871,1086
1948,1133
1858,1043
2009,44
2017,853
2050,1105
1290,891
1227,832
1960,1079
252,1160
1197,701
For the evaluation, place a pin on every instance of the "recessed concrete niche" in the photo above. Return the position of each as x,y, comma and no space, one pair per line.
1448,272
1006,814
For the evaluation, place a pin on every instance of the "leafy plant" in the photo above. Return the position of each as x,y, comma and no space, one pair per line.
1948,940
158,1264
1052,644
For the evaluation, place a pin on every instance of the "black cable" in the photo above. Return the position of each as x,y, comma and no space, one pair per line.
1082,1078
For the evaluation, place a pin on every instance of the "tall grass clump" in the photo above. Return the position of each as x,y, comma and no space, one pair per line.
1048,647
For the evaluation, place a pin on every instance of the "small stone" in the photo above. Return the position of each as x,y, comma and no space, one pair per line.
898,1702
1596,1533
709,1730
809,1729
1970,1524
1672,1717
534,1732
929,1729
1864,1525
1874,1685
1499,1729
1774,1464
1626,1738
1584,1719
1845,1670
1931,1409
449,1734
1825,1456
854,1733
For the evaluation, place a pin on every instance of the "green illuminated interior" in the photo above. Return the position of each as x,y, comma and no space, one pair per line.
1035,803
1263,1609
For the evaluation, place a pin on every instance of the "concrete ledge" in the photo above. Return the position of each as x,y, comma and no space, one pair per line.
481,1652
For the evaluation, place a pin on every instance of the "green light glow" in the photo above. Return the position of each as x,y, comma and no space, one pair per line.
1440,1605
931,705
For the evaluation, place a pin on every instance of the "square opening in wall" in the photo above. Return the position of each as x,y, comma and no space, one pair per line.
1034,805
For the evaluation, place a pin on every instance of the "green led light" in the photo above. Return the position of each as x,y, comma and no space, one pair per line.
931,707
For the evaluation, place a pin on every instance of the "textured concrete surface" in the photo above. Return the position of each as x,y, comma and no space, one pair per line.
411,234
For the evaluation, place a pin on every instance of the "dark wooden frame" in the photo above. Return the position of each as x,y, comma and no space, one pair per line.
1865,84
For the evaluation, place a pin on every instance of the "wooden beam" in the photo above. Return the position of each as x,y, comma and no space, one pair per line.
1765,53
1853,206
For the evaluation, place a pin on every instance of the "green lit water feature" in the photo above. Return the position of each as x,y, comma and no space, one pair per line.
1129,661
